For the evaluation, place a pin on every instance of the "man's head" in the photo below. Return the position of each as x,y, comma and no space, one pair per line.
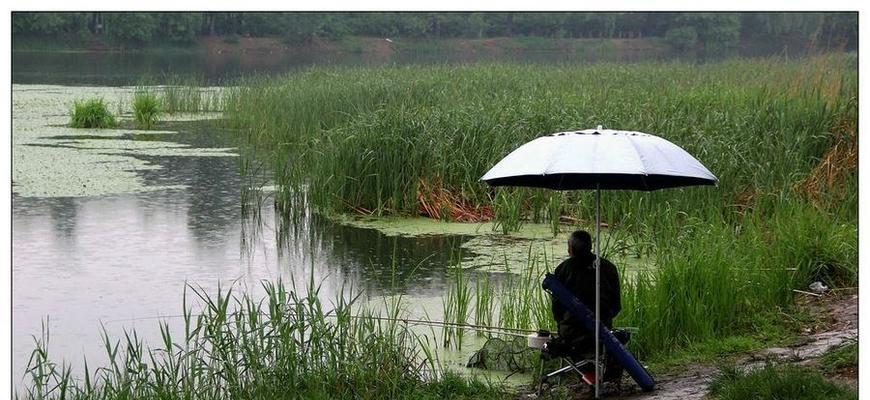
579,243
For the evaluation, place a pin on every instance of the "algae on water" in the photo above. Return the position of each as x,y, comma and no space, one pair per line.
50,159
487,249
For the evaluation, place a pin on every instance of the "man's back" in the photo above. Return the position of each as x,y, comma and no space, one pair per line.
577,273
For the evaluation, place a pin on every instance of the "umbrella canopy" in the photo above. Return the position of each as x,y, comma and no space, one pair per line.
599,158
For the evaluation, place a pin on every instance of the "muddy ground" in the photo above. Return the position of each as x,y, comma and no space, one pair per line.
836,324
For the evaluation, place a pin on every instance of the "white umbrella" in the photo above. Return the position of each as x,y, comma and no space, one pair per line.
599,159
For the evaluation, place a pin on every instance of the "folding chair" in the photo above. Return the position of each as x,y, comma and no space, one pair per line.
578,357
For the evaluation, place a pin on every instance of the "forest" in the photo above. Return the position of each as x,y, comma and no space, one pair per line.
681,30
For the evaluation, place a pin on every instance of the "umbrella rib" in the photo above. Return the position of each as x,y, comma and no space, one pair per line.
642,162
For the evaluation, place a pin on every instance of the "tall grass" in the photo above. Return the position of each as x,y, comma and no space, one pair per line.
189,98
371,135
93,113
776,382
457,308
286,345
146,109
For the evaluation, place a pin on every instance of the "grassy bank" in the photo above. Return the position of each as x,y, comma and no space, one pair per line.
777,382
286,345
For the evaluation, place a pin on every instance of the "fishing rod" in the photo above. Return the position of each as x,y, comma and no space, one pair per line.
483,328
409,321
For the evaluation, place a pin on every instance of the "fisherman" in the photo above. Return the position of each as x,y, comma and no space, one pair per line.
577,274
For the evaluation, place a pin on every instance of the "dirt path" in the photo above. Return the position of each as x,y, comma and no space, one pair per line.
837,324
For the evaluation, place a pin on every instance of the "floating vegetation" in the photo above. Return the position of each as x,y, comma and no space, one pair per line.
53,160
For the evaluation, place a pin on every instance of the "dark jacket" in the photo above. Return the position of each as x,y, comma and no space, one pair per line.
578,275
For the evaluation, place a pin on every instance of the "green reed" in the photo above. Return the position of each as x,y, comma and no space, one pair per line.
146,109
285,345
370,135
484,304
93,113
189,96
457,308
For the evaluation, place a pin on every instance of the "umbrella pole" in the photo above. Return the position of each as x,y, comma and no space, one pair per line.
597,284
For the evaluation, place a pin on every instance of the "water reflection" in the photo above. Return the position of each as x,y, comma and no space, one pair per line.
91,260
161,67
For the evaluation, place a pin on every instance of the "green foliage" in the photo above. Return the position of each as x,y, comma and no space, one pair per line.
92,113
286,345
682,38
776,382
134,28
146,109
844,356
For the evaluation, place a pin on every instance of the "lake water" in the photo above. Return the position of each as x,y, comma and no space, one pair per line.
160,67
108,226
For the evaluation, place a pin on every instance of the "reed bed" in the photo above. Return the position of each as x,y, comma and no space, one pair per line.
370,137
286,345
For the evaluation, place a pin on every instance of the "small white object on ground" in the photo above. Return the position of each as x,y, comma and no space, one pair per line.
818,287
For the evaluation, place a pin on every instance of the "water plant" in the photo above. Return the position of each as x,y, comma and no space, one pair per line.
189,96
93,113
287,344
457,308
146,109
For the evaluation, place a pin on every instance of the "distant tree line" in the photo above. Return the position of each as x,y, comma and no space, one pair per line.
683,30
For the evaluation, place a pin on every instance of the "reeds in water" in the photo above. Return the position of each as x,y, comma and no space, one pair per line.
286,345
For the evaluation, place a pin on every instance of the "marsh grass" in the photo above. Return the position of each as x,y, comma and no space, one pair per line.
93,113
178,99
457,308
287,344
371,135
776,382
146,109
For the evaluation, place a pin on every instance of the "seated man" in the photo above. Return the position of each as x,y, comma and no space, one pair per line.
577,274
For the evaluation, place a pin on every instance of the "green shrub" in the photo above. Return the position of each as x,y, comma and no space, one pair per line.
776,382
146,109
91,114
